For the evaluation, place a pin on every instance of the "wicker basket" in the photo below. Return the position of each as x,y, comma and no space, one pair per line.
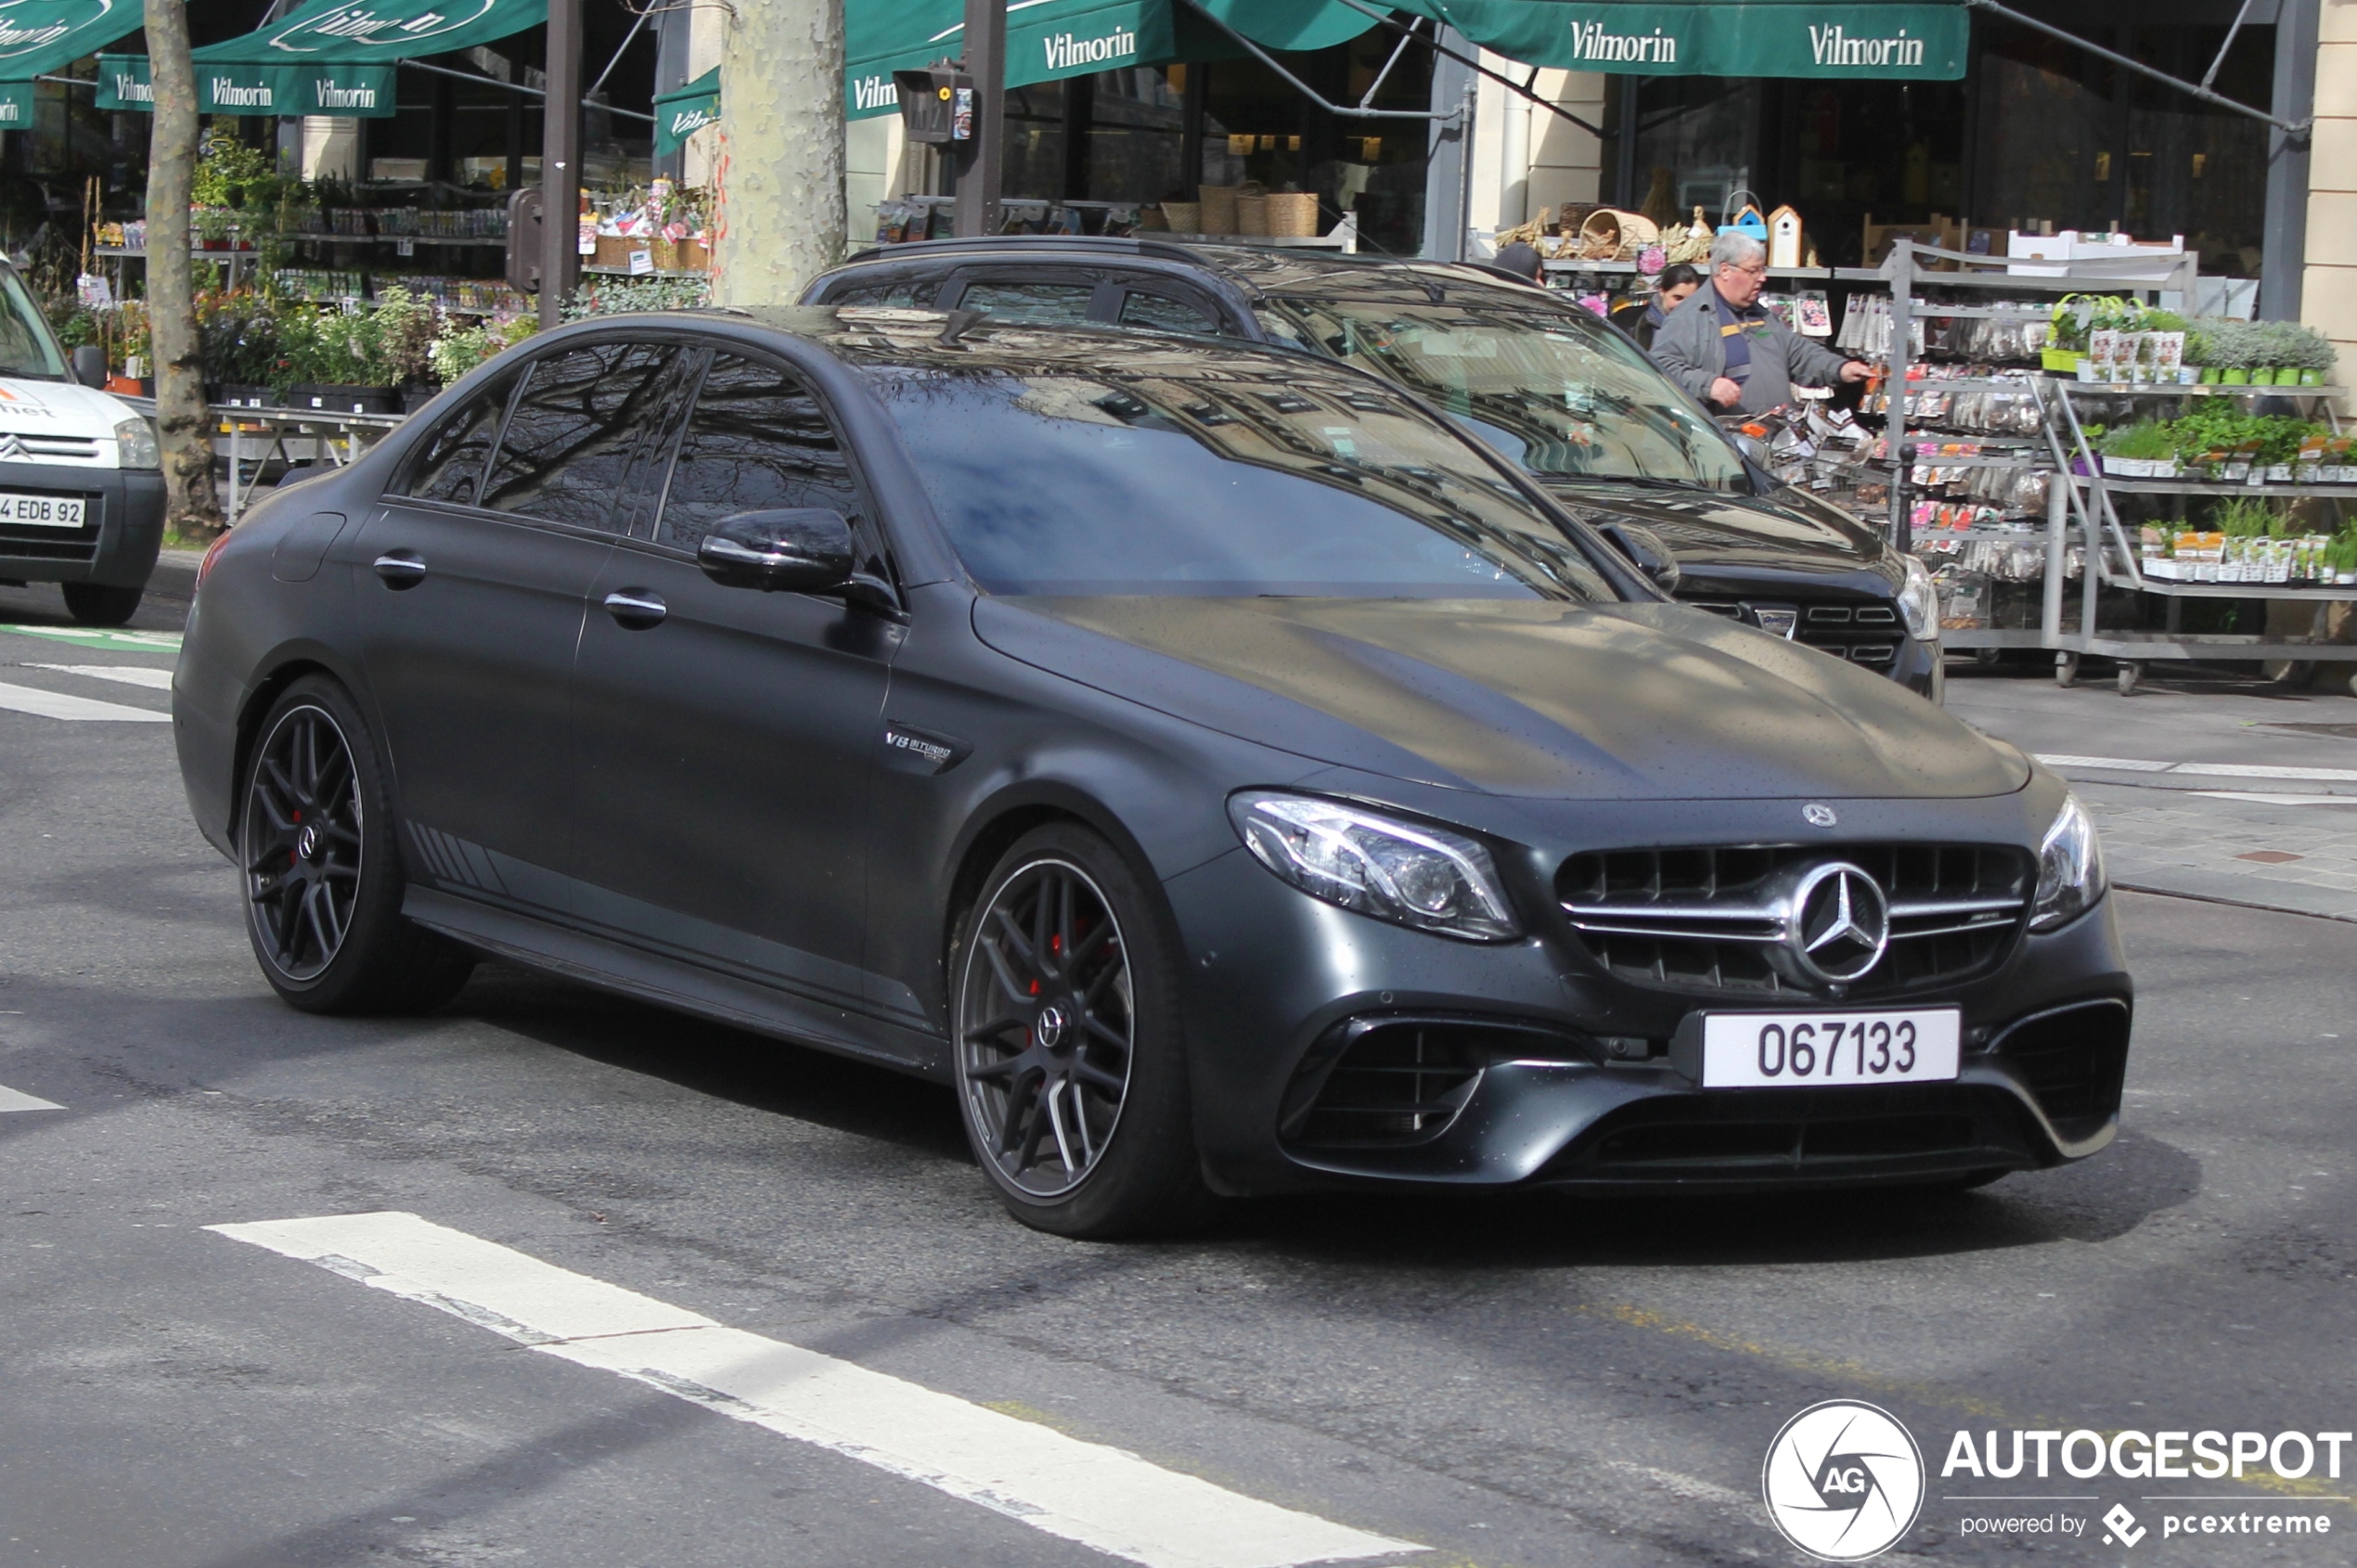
1609,234
1218,210
1183,217
1252,214
1151,219
1293,215
613,250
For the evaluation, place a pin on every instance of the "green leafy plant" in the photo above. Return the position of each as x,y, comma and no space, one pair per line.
2246,518
2146,439
398,337
460,349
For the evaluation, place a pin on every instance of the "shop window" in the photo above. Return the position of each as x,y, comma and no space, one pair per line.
568,442
758,441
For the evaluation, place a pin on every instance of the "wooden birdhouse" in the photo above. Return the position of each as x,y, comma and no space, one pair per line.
1784,247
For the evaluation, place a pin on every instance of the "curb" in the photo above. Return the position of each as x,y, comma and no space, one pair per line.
2231,903
176,574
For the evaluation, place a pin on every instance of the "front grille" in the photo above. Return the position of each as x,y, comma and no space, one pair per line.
2074,1061
1863,631
28,446
1390,1081
1713,919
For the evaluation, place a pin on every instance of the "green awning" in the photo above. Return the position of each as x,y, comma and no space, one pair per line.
309,87
40,36
1050,39
15,106
683,111
376,32
1864,40
1871,40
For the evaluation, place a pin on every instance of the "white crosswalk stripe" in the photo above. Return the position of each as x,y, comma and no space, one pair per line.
61,705
129,675
1103,1497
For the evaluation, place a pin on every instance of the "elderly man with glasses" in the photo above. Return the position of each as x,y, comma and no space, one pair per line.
1723,348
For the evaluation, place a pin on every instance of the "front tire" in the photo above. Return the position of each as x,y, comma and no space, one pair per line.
1071,1061
96,604
323,871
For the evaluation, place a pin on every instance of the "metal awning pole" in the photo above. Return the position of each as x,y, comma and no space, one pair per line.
561,163
979,178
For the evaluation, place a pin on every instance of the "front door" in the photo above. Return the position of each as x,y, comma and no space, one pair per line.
480,567
726,733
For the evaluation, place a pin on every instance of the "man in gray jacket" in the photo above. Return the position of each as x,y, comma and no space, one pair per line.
1723,348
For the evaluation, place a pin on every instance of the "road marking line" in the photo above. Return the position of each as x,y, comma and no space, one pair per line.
142,642
2273,799
1100,1497
2223,770
17,1099
59,705
129,675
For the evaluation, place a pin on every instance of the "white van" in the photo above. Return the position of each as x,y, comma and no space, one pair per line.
80,476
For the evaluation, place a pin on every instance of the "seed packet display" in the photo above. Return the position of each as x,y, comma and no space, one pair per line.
1814,313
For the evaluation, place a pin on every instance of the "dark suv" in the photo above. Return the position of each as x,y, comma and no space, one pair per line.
1547,382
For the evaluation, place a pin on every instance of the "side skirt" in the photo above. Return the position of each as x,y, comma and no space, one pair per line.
667,982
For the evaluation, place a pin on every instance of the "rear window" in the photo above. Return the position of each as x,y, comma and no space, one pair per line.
1085,484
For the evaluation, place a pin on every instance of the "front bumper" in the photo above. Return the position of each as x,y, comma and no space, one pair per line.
1521,1046
118,542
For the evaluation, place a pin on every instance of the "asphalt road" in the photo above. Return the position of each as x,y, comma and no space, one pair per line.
1535,1380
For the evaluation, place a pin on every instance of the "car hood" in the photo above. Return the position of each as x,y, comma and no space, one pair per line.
1524,698
58,408
1705,530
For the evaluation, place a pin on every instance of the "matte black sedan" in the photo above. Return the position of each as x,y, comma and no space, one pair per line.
1569,399
1228,775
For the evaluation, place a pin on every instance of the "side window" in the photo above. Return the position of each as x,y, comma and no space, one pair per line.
449,463
758,441
1047,304
909,293
1165,314
569,439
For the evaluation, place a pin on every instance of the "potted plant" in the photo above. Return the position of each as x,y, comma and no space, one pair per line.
2137,450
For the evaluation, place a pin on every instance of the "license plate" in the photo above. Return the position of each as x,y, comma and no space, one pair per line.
42,511
1759,1050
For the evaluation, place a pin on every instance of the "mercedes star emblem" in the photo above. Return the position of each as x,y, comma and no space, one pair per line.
1052,1025
1819,816
1837,924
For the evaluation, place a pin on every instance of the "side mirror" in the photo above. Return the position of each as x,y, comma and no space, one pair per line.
1646,552
796,550
90,365
1750,446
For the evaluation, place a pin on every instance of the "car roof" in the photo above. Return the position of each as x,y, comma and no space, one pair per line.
1265,271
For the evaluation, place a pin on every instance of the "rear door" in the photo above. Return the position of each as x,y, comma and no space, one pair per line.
726,734
482,565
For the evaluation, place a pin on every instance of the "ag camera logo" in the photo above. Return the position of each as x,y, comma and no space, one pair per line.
1843,1481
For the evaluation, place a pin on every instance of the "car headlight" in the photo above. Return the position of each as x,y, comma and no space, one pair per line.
1401,871
135,439
1919,601
2070,869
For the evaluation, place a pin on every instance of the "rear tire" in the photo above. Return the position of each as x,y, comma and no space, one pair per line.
96,604
322,868
1071,1061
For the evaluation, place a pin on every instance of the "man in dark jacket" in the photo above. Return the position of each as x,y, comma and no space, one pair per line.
1723,348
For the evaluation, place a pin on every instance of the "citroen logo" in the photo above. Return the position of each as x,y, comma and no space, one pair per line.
12,449
1837,923
1052,1023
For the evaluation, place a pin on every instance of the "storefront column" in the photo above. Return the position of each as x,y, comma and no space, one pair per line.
1525,158
2328,286
1447,175
2284,228
781,170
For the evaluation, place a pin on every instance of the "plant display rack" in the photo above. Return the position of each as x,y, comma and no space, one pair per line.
2080,508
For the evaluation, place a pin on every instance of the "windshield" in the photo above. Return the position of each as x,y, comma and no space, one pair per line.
27,346
1554,390
1091,485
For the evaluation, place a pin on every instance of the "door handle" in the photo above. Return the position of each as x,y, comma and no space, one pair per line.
636,610
401,569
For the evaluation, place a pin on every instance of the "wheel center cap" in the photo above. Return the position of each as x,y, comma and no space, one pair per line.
1053,1022
307,845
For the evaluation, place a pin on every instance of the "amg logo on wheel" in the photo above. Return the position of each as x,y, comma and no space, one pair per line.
1843,1481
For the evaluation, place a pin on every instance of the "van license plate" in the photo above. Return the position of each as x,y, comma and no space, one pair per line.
42,511
1759,1051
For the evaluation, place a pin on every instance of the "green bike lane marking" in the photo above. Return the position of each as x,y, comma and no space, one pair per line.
91,636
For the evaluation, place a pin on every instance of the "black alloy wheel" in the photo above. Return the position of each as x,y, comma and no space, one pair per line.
1070,1073
301,843
322,871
